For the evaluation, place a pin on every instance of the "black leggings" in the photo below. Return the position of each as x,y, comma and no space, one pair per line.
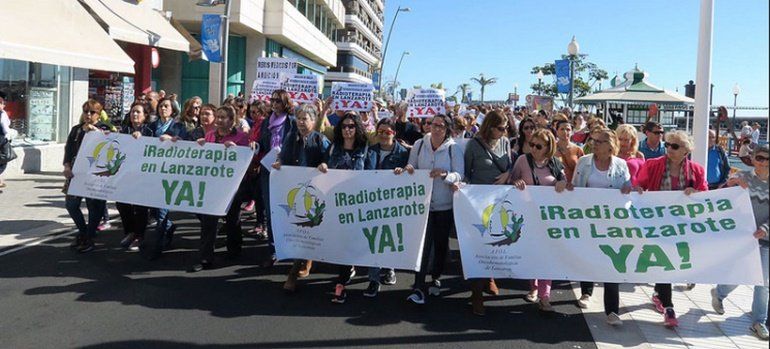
611,295
440,224
664,294
133,217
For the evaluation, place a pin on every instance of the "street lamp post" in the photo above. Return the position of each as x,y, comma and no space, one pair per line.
736,91
395,79
225,42
573,49
539,76
387,41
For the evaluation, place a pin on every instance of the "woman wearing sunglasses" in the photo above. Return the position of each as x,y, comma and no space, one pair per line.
273,131
672,171
349,151
487,161
390,155
303,147
89,121
603,169
190,113
540,167
756,182
438,153
526,128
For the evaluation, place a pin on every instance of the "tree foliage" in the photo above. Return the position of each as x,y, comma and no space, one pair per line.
587,75
483,82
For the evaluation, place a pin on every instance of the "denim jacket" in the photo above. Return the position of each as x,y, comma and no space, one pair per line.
363,158
618,172
296,153
397,158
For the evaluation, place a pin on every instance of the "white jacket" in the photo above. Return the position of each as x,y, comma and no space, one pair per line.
422,157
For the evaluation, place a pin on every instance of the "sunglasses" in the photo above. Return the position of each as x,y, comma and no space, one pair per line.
349,126
386,132
673,146
536,146
502,128
528,128
658,132
760,158
598,141
92,112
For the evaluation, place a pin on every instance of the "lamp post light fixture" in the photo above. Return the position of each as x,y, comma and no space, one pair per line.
539,76
573,49
387,41
736,92
225,42
395,79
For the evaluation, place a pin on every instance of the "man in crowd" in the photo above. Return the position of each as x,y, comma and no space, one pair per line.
653,146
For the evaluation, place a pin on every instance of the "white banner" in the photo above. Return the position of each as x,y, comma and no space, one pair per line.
425,103
302,88
262,90
180,176
604,236
352,96
365,218
270,68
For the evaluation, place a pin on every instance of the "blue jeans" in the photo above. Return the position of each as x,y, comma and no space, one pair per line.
95,213
759,305
374,273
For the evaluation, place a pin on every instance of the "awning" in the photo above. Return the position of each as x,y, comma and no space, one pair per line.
635,97
137,24
196,49
58,32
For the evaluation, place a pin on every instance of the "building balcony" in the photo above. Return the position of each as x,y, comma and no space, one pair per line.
360,52
349,76
356,22
379,4
372,13
286,25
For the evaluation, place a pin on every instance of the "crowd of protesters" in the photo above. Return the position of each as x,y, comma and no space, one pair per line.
494,145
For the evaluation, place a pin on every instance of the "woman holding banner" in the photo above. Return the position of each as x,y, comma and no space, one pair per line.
672,171
134,217
756,182
349,151
390,156
487,161
302,147
629,149
165,128
89,121
438,153
526,128
227,133
540,167
602,169
274,130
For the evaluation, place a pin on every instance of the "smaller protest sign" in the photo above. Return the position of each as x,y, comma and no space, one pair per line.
302,88
270,68
270,158
262,89
352,96
425,102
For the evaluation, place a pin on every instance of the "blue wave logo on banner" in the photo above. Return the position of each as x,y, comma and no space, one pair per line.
563,82
211,37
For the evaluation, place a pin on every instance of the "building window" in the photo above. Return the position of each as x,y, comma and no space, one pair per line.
33,99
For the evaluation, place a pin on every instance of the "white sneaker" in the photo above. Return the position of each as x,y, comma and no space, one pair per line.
759,330
716,303
614,320
545,306
531,296
583,301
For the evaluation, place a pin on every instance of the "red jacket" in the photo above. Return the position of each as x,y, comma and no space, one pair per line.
650,175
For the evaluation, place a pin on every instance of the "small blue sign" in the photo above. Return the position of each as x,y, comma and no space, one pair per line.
211,37
563,81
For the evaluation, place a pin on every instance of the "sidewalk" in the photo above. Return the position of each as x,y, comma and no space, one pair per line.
699,325
31,208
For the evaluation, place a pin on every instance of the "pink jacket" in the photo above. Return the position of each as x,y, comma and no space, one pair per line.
650,176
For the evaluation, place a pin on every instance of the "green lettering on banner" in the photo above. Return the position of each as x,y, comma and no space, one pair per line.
724,205
168,189
727,223
618,258
386,239
370,236
653,256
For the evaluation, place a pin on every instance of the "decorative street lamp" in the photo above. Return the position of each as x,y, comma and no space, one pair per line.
573,49
736,92
539,76
225,42
387,41
395,79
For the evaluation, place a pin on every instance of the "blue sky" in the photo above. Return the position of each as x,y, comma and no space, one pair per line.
451,41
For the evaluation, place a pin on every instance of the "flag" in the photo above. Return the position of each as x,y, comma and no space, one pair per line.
563,80
211,37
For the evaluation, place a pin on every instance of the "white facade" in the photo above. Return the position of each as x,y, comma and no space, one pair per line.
360,47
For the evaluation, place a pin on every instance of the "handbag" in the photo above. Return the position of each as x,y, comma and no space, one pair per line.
6,151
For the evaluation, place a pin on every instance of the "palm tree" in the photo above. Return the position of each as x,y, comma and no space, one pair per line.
463,90
483,82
